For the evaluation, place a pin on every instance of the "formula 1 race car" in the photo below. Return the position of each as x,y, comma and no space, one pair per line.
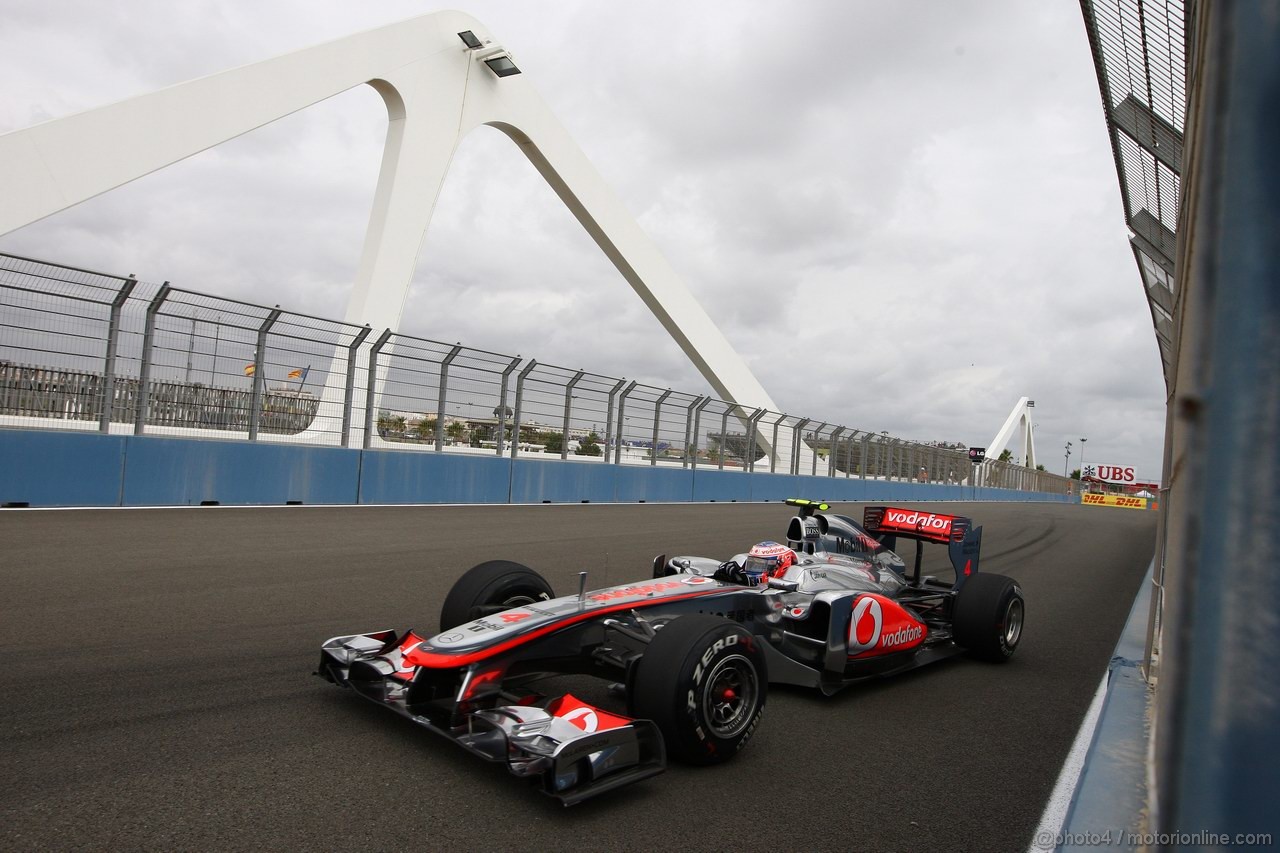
694,649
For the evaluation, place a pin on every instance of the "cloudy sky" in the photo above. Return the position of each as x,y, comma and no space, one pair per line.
905,216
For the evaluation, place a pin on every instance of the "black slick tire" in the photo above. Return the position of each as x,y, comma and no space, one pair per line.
989,616
703,681
497,583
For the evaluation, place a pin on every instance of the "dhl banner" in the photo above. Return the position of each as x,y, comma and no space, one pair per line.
1113,500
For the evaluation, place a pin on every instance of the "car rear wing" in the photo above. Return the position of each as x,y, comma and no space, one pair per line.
962,538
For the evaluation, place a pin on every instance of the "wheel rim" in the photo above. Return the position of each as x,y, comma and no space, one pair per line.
729,696
518,600
1013,622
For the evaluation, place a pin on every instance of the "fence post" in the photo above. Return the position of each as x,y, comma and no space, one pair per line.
348,395
794,469
259,373
657,412
773,453
835,445
441,397
371,389
109,363
724,430
622,418
697,426
501,411
515,425
608,419
144,370
568,413
688,431
753,423
817,434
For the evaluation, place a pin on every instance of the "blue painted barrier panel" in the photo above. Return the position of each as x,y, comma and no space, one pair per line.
552,480
945,492
44,468
779,487
178,471
47,468
399,476
841,489
652,485
712,484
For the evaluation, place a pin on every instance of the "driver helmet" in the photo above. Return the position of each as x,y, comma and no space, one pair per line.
767,560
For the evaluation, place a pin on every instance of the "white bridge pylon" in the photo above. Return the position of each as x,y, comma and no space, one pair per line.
436,90
1019,422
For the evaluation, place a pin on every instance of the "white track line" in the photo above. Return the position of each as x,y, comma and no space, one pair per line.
1055,811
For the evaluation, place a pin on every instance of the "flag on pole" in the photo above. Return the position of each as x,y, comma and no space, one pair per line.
300,373
249,369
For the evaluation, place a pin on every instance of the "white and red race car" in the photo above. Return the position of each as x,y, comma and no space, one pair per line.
693,649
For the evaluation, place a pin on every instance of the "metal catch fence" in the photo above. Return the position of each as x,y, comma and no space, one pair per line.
86,350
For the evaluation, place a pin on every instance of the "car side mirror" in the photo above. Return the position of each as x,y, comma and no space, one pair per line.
660,566
783,584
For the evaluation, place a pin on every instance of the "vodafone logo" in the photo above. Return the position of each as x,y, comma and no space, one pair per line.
918,521
583,718
881,625
864,627
405,669
902,636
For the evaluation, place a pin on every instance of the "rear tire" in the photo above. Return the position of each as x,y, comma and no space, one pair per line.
497,583
989,615
703,681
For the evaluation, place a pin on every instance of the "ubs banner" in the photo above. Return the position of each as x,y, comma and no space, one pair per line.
1113,500
1121,474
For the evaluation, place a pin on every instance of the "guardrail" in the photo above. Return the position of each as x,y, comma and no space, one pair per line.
91,351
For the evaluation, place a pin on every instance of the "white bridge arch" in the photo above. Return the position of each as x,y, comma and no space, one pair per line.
437,90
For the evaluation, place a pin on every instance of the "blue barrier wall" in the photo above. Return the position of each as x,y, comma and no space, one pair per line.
180,472
405,477
47,468
61,469
547,480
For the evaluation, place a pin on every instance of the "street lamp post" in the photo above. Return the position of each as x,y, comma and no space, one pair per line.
1082,441
1067,463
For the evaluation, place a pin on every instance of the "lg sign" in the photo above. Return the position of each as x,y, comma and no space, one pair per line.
1110,473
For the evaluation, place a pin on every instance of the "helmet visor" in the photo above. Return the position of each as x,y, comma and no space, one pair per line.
757,568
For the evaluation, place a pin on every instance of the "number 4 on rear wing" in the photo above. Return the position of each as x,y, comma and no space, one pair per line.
962,538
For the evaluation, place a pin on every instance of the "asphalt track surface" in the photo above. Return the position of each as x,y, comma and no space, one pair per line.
157,690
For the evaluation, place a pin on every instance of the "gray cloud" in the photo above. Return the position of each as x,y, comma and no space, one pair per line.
911,206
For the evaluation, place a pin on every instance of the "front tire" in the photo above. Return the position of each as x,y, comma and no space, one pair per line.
703,682
989,615
490,587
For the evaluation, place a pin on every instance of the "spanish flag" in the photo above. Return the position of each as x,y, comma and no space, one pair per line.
249,369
